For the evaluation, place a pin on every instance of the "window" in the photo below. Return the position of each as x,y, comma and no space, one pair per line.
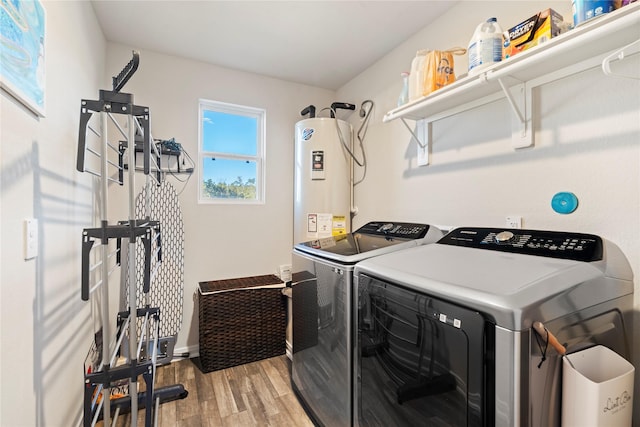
231,153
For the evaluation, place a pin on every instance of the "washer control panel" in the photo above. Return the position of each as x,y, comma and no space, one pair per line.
553,244
401,230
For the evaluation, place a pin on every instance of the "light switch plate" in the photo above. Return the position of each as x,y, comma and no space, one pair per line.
30,238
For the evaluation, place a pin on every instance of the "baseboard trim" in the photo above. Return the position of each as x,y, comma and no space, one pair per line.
193,350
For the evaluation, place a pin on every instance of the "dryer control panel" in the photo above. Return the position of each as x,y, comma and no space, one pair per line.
552,244
400,230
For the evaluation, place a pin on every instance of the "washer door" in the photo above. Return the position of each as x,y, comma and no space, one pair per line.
421,360
321,364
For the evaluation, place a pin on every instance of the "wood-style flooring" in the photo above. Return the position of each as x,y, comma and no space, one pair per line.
255,394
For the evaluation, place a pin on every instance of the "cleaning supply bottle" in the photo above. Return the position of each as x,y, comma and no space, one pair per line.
416,77
485,47
404,93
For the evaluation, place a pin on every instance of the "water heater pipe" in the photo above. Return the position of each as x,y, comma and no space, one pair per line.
362,132
310,110
341,105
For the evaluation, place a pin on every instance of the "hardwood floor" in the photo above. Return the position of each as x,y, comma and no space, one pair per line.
255,394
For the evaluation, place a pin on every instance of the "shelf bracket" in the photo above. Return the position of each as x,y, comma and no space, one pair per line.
422,133
619,55
520,101
417,139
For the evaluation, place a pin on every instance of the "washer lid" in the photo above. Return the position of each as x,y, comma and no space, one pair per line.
372,239
512,288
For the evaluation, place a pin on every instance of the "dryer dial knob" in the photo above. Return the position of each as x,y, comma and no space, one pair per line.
388,226
504,237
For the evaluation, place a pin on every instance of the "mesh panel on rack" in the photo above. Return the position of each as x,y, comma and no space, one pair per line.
167,285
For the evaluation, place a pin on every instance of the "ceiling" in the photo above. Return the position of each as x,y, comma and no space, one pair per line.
318,43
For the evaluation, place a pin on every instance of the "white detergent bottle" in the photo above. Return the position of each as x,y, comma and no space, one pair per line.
485,47
416,76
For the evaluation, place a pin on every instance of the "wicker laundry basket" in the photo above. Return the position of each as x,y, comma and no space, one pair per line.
241,320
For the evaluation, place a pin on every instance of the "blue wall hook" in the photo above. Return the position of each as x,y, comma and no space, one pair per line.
564,202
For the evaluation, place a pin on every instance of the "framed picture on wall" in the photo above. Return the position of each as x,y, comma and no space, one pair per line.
22,50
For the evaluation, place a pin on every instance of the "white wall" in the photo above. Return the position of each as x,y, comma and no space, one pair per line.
221,241
587,141
45,326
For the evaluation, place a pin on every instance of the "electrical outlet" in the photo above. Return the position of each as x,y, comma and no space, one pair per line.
514,222
284,271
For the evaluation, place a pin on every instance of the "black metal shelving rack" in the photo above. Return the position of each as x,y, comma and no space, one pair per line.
116,361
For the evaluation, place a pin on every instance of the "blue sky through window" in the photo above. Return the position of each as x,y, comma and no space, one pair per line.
229,134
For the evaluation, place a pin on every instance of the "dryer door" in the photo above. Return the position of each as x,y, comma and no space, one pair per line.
421,360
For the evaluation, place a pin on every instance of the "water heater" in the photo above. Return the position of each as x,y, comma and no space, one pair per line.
322,189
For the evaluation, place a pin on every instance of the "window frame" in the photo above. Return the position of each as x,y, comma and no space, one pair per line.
260,114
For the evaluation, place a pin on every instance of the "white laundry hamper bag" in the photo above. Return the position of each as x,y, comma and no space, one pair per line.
597,389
